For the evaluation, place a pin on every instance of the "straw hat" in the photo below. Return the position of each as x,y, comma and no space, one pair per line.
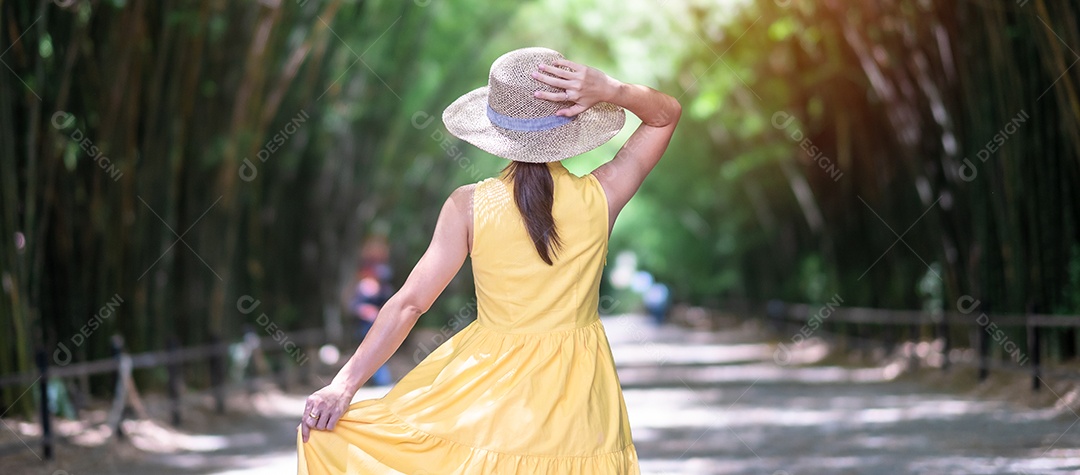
505,119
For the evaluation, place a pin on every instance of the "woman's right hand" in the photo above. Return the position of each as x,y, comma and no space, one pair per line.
324,407
583,85
659,113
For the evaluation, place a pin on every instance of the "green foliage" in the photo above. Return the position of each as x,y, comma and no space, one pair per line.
1070,299
813,279
884,103
814,134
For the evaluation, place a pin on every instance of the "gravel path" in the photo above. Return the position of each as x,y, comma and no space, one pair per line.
717,403
700,403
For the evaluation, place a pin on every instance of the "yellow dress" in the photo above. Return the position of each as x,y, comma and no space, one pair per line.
529,387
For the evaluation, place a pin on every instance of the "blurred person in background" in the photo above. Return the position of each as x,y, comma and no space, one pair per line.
657,299
370,292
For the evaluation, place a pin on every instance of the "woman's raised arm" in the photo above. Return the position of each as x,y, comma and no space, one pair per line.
659,113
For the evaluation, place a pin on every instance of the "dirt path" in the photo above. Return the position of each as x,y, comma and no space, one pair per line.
717,403
700,403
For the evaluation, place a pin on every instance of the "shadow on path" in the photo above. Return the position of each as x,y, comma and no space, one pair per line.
699,402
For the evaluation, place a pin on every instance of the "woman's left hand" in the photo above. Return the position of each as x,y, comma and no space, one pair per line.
324,408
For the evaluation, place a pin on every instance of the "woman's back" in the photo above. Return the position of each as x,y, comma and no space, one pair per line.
516,291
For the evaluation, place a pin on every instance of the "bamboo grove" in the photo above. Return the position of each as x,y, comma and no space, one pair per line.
160,161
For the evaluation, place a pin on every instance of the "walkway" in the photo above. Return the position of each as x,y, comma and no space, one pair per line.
700,403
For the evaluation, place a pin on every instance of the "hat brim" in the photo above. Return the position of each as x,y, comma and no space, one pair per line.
466,118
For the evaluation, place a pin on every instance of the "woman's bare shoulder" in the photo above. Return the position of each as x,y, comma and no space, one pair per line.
463,195
462,198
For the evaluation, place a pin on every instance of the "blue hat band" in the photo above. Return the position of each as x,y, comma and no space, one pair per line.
526,125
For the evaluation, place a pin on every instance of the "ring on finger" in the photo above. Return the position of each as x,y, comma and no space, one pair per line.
567,95
313,415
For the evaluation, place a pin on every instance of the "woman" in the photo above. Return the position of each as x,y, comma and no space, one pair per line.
529,387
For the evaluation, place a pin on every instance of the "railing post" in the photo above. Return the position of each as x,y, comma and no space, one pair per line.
943,333
984,347
256,361
842,338
217,374
1034,342
46,415
116,415
890,338
774,313
915,337
1067,337
174,370
284,373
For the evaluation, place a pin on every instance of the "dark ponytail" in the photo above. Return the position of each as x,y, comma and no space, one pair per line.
534,193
